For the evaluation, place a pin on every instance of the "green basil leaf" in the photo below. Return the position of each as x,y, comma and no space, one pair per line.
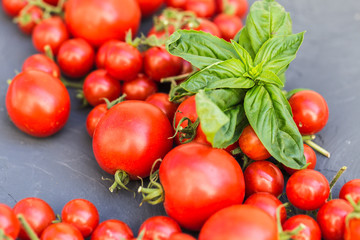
199,48
293,91
222,116
244,56
268,113
270,77
277,53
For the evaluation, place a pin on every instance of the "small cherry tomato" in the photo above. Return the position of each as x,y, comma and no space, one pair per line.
28,19
310,111
161,100
311,229
181,236
238,7
94,117
112,229
101,53
158,227
139,88
229,25
351,188
42,63
310,157
13,7
251,145
61,231
8,221
263,176
307,189
201,8
149,7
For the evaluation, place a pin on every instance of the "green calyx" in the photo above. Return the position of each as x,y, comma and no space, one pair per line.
121,179
153,193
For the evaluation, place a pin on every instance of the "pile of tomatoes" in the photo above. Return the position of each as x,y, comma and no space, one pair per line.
134,128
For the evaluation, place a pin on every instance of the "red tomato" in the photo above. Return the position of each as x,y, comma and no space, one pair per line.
143,131
311,229
37,213
263,176
42,63
52,2
51,31
176,3
251,145
161,100
158,227
9,224
238,7
181,236
161,33
123,61
201,8
310,157
244,222
269,203
102,51
158,63
229,25
37,103
100,20
213,180
112,229
75,57
139,88
82,214
307,189
352,231
310,111
149,7
94,117
98,85
331,218
351,188
27,24
206,26
13,7
61,231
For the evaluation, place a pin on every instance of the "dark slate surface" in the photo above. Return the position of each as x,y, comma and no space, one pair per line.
62,167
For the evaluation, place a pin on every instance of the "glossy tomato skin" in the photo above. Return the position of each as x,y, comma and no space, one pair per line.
176,3
112,229
181,236
61,231
98,85
37,213
213,180
251,145
239,7
76,57
311,229
307,189
13,7
331,218
263,176
143,131
51,31
161,100
149,7
102,51
229,25
310,157
8,221
201,8
158,227
158,63
269,203
37,103
351,188
352,231
35,14
236,222
139,88
105,24
42,63
94,117
310,111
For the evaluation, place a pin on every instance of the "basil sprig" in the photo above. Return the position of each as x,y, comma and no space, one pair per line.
241,82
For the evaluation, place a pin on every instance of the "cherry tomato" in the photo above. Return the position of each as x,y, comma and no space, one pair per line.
240,222
213,180
269,203
37,103
143,131
94,117
310,157
112,229
181,236
263,176
176,3
158,227
149,7
311,229
29,18
307,189
8,221
310,111
161,100
61,231
42,63
102,51
158,63
238,7
51,31
139,88
123,61
13,7
229,25
205,26
201,8
351,188
251,145
82,214
352,230
97,23
75,57
37,213
331,218
98,85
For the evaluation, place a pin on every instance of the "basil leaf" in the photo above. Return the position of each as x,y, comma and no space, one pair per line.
199,48
222,116
244,56
270,77
269,114
293,91
277,53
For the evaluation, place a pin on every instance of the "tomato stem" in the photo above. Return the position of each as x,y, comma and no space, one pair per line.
337,176
153,193
121,180
48,52
308,137
178,77
78,85
317,148
28,229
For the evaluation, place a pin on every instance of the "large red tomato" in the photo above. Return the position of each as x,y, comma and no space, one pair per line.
98,21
